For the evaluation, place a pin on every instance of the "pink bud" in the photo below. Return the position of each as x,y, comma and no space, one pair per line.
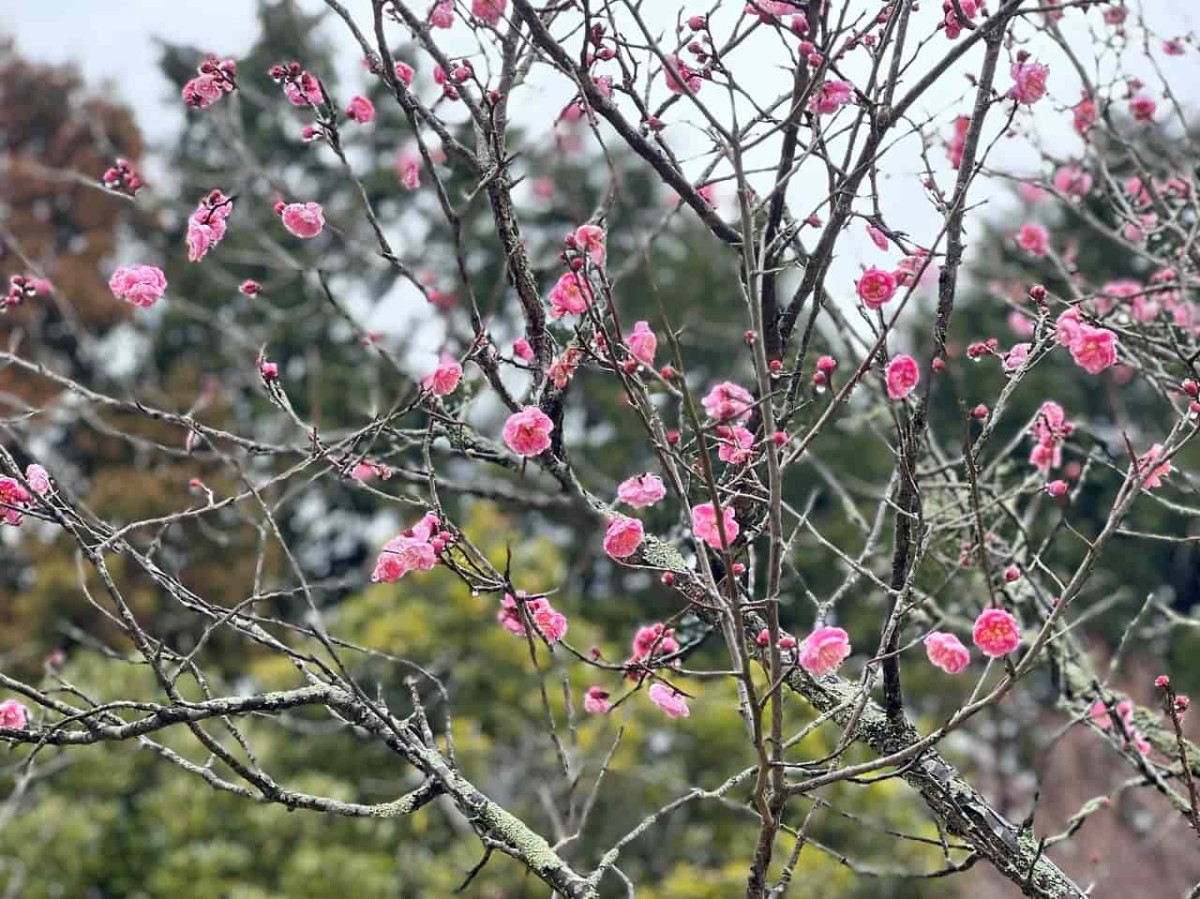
1057,488
1012,573
980,412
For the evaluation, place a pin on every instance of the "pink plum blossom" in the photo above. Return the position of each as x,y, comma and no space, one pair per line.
1142,108
902,376
595,701
830,96
408,168
734,444
824,650
704,524
360,110
642,343
1034,239
653,640
996,633
1015,358
677,74
641,490
522,350
623,536
1154,473
13,715
1029,82
957,144
38,479
206,226
549,622
728,401
670,700
1094,349
303,90
442,14
141,285
947,652
590,239
1073,181
490,11
876,287
444,379
304,220
527,433
13,497
570,295
411,550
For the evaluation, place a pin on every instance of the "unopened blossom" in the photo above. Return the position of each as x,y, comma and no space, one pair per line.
250,288
595,701
141,285
570,295
522,350
411,550
735,444
1034,239
830,96
623,536
490,11
1094,349
823,651
641,490
206,226
1142,108
728,401
677,74
527,433
877,237
361,110
1154,471
13,715
1057,488
642,343
876,287
13,498
304,220
38,479
670,700
996,633
443,380
901,377
591,239
704,524
1029,82
947,652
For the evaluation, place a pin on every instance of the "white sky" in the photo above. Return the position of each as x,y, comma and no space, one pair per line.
114,42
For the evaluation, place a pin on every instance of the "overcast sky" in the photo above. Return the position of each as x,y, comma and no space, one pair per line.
115,42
